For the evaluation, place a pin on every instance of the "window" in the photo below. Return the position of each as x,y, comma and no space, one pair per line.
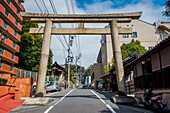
125,36
16,22
1,51
14,45
134,35
8,1
15,34
103,39
6,13
5,25
18,12
3,38
19,3
161,38
150,48
11,68
12,57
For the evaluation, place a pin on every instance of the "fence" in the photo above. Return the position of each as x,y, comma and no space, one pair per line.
21,73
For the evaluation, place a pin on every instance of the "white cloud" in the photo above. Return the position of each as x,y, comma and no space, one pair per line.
90,45
151,12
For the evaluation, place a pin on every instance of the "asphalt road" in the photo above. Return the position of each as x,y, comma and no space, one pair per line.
82,101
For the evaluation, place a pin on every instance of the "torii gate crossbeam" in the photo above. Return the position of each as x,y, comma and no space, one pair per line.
114,30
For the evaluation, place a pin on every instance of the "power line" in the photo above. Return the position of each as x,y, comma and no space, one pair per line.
42,6
73,9
67,5
53,7
38,6
60,41
55,12
45,6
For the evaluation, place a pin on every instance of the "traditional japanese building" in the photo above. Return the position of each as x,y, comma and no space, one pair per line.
10,25
151,70
57,72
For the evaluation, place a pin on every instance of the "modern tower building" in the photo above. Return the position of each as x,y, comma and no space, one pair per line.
10,25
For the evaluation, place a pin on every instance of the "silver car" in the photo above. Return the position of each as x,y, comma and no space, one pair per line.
52,86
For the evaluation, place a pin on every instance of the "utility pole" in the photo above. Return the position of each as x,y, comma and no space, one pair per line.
69,63
69,58
77,72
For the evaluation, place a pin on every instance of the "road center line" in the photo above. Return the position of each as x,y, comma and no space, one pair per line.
104,102
58,101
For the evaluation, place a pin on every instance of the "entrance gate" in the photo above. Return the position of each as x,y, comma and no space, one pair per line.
48,30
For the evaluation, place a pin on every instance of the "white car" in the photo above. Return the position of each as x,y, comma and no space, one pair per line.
53,87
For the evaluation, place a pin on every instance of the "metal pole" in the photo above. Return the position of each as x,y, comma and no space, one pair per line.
44,59
117,57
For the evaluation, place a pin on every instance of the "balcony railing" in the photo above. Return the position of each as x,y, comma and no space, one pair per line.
9,19
13,10
18,3
9,44
11,32
8,69
9,56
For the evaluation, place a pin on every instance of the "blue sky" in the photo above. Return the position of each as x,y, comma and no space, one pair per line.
116,3
90,45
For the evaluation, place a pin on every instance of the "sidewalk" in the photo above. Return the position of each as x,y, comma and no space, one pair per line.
7,103
135,106
30,107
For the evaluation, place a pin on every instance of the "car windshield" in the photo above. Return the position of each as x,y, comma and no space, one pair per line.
51,83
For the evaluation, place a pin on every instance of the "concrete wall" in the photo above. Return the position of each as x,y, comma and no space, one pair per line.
98,69
96,73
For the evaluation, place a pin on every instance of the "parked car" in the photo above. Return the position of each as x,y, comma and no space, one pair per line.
52,86
34,85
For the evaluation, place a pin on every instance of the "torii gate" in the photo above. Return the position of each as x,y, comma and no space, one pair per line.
48,30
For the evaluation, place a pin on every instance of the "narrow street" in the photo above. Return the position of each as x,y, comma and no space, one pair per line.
81,101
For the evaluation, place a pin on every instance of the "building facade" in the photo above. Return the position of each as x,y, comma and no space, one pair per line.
151,70
163,29
10,25
148,34
96,73
57,72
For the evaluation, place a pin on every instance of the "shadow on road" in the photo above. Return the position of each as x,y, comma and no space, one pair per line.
105,111
76,96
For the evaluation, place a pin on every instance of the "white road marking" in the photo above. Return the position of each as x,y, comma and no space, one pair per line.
104,102
58,102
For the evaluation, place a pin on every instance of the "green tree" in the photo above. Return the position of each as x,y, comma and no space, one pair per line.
88,71
133,46
167,8
73,70
107,68
127,49
30,48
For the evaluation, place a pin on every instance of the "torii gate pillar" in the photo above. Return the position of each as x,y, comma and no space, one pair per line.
44,59
117,57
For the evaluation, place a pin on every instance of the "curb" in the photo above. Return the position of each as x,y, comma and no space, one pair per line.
36,107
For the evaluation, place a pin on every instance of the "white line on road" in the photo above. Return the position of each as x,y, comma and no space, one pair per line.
58,102
104,102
